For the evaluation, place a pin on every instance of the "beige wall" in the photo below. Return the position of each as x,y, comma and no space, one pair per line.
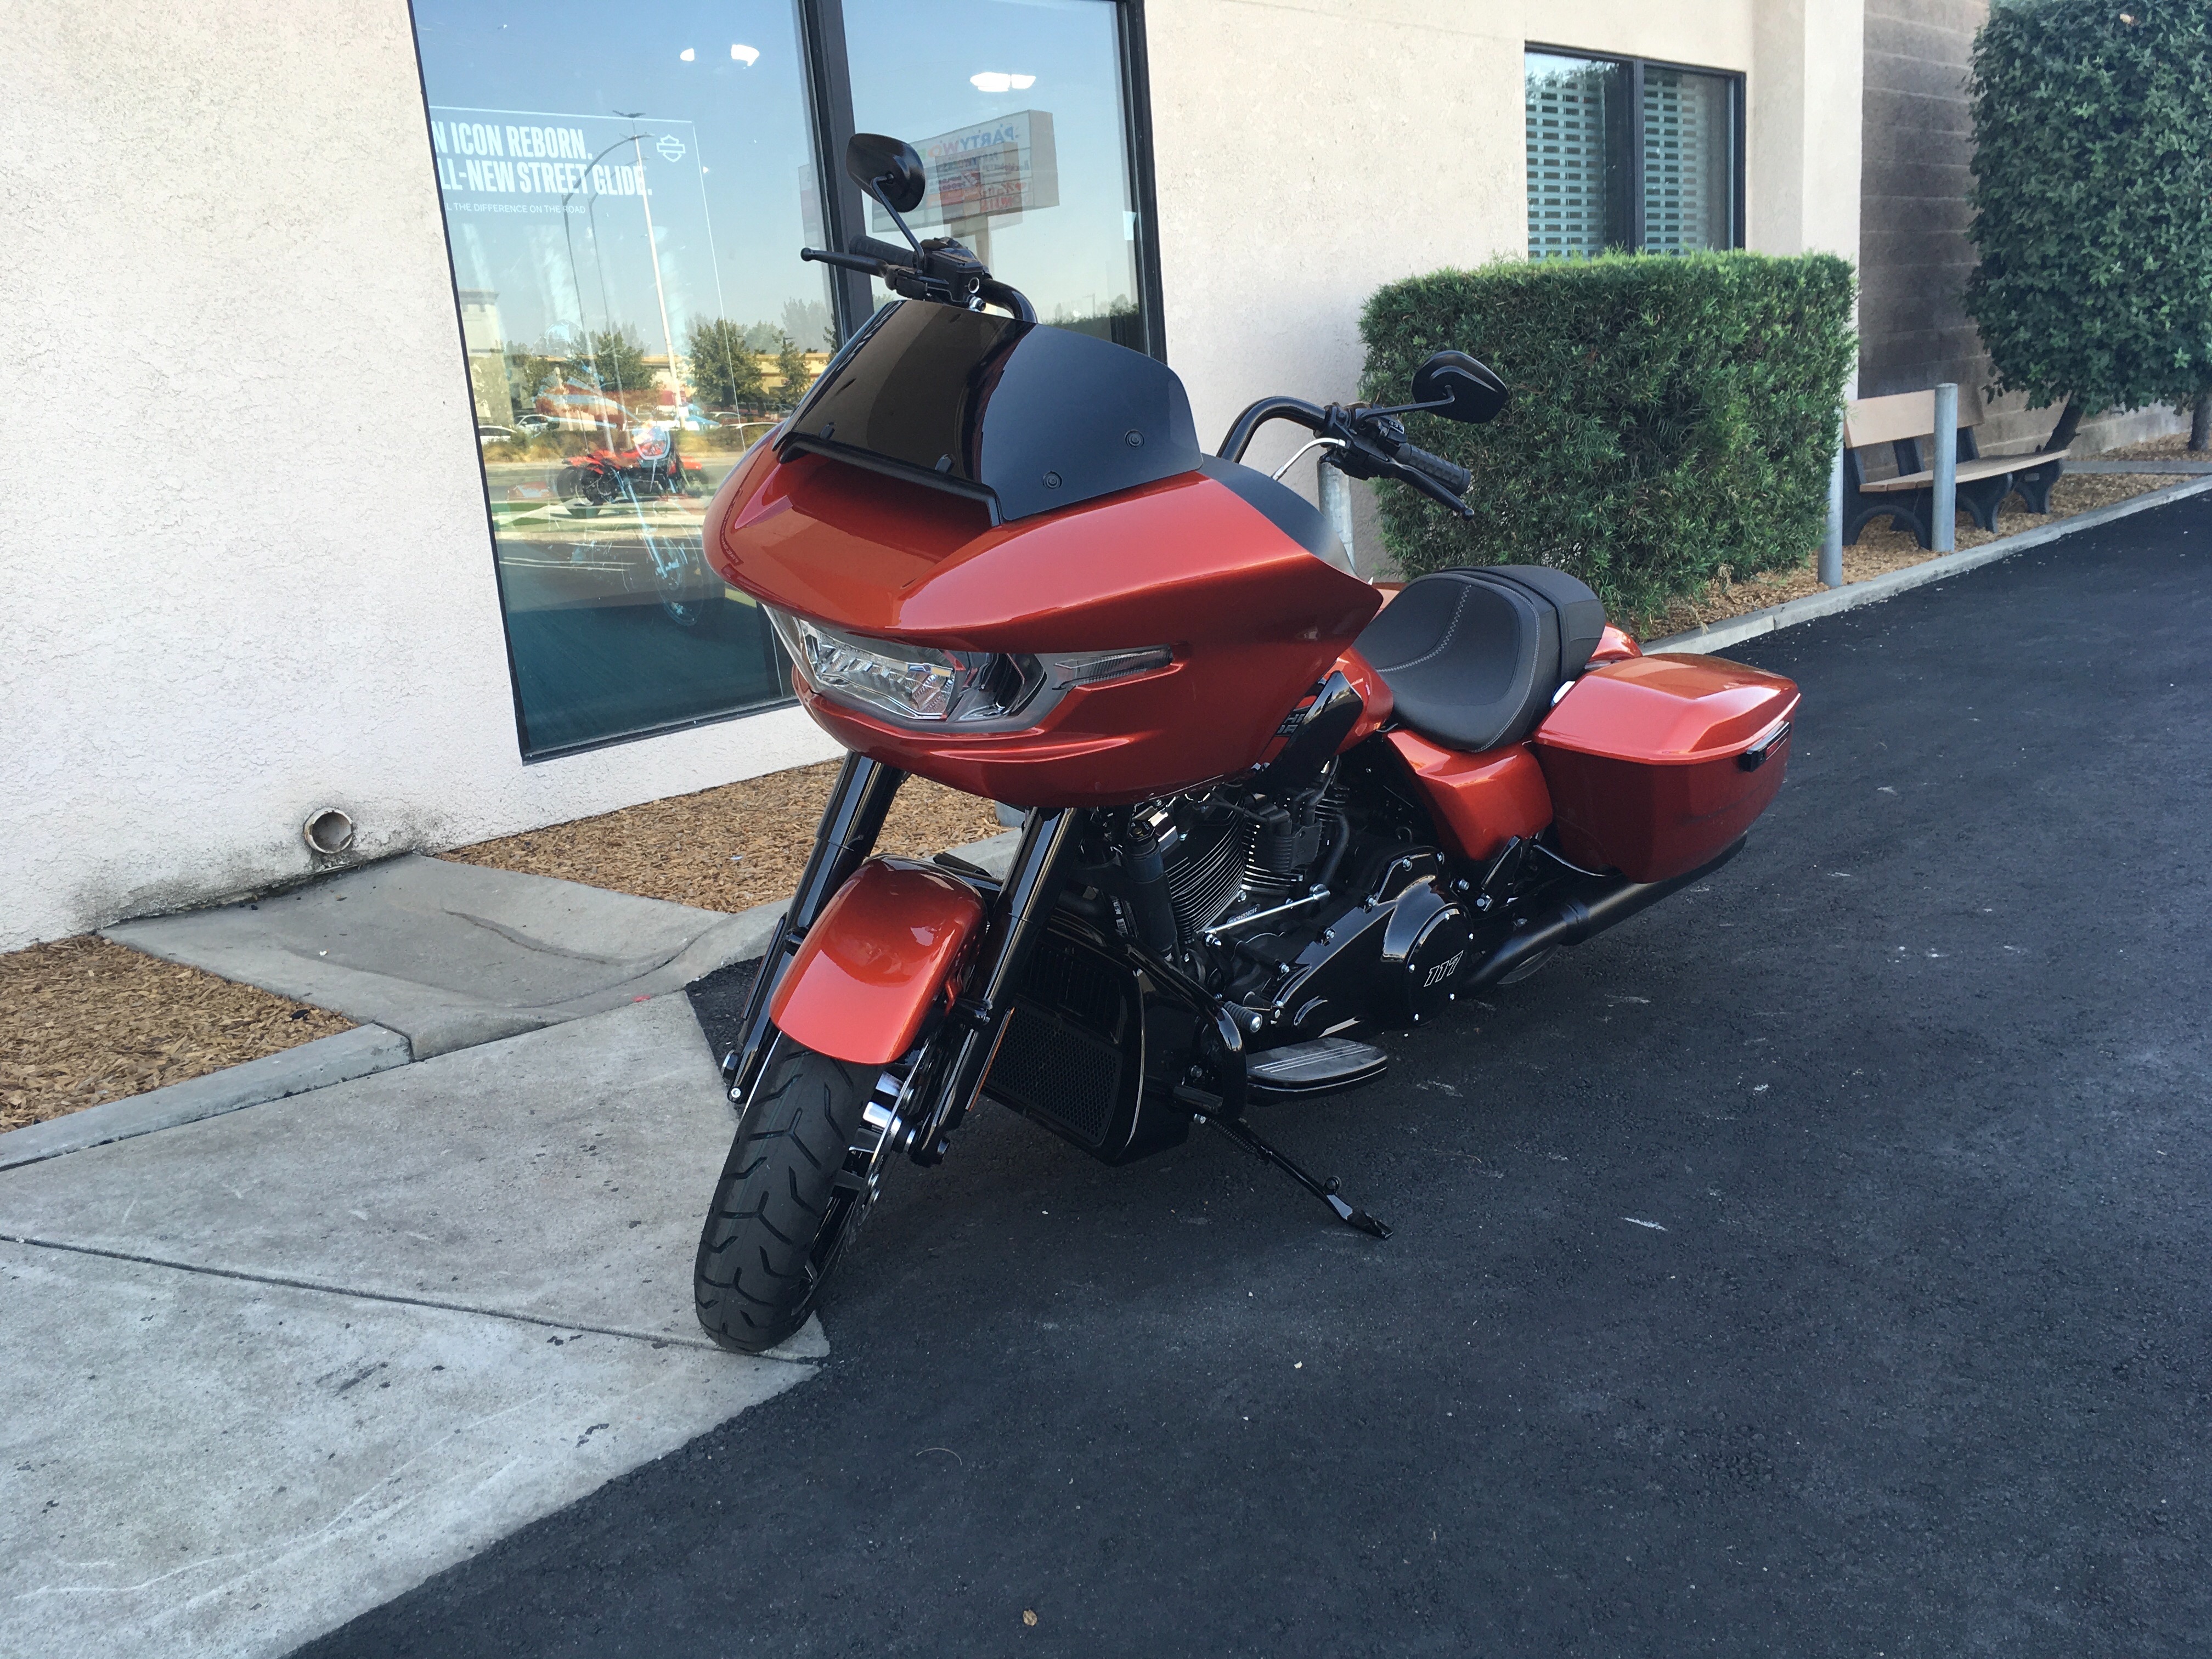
1310,151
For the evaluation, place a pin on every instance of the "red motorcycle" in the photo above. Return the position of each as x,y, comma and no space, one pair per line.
648,468
1263,822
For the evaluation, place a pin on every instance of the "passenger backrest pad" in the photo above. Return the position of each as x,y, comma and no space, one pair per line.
1581,613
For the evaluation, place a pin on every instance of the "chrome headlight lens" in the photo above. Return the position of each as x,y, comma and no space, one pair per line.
918,685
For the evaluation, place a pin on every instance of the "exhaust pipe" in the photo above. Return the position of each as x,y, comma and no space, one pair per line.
1582,916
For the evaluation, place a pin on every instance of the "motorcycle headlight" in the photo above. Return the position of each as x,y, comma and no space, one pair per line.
919,685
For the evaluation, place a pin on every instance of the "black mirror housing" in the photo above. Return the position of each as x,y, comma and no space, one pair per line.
889,169
1466,390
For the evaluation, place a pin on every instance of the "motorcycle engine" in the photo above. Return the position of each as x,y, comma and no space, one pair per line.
1311,912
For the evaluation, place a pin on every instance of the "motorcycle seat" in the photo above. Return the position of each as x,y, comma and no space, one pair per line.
1474,657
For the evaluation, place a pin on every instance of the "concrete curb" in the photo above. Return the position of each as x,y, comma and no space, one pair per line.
1737,629
328,1059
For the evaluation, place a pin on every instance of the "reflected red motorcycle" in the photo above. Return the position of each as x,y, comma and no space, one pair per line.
649,466
1263,823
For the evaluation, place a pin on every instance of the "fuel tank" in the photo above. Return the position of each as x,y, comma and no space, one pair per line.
1213,560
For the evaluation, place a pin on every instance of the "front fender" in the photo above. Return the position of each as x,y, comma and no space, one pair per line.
882,951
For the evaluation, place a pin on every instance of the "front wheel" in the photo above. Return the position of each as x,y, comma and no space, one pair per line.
781,1219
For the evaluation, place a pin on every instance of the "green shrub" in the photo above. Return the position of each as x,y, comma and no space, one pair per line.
2092,201
1670,415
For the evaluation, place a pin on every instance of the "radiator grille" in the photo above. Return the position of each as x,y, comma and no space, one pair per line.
1054,1068
1062,1059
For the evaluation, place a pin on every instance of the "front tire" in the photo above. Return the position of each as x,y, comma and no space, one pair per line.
779,1221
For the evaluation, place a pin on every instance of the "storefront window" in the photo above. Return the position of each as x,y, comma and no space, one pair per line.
1017,107
626,193
1630,154
635,314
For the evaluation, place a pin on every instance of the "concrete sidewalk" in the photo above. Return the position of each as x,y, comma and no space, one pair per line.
450,954
265,1371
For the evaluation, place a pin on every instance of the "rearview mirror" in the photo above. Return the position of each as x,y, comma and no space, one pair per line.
1465,389
889,170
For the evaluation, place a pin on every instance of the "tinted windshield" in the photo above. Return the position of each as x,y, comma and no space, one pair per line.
1028,418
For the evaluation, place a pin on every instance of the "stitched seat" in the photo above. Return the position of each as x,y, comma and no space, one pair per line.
1473,657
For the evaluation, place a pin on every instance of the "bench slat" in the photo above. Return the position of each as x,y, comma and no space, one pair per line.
1872,421
1968,472
1902,415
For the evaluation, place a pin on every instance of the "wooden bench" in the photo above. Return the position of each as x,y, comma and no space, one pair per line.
1904,422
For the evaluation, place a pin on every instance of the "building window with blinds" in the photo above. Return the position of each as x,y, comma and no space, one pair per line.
1627,154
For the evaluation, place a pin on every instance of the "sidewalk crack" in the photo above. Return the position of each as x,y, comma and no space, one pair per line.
286,1282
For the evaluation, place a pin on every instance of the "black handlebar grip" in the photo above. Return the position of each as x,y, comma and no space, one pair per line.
843,261
889,252
1454,478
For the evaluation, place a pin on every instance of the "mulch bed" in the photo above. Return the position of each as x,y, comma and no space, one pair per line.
1881,549
730,847
83,1021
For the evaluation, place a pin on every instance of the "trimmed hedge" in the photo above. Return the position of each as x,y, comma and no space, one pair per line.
1670,415
2092,202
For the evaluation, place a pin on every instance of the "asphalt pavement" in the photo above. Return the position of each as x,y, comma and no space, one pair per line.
1814,1264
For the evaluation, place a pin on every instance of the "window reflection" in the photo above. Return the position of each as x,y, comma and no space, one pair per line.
1628,155
1017,106
623,218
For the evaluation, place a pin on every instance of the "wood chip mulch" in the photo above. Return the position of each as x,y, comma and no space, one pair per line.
83,1021
730,847
1881,549
2174,447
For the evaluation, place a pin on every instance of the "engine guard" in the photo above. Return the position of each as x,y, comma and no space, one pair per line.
886,947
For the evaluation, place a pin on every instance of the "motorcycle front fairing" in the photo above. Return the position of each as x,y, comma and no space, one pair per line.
848,519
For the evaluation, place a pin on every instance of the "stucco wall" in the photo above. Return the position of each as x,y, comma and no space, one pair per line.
258,578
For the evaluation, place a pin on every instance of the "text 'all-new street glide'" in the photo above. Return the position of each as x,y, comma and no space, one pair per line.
1262,820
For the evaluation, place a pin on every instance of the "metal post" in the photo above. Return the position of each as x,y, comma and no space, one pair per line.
1336,506
1831,541
1944,511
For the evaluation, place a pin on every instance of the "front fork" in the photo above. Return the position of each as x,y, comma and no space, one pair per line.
919,1114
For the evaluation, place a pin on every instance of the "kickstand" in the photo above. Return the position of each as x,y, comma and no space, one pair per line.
1325,1191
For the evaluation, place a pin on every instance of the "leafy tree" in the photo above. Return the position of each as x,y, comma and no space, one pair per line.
528,374
809,320
791,364
724,370
2092,202
614,363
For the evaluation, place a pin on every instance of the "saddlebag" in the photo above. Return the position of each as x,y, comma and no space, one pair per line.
1656,764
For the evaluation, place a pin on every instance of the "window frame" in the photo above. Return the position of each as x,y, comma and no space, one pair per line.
829,97
1636,67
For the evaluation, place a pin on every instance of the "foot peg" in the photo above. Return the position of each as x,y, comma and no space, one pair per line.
1319,1067
1325,1191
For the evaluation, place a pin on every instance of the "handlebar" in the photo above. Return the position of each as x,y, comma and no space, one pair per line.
1454,478
889,252
1371,445
943,272
843,261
